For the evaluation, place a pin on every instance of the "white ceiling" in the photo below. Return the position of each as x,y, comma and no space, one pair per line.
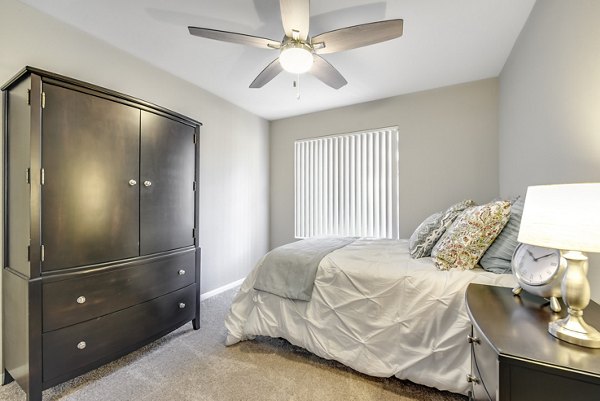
445,42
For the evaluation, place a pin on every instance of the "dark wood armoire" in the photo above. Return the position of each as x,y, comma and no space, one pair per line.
100,226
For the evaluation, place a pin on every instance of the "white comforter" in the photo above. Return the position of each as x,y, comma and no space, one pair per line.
375,309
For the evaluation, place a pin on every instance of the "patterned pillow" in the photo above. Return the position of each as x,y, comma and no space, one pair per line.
470,235
423,239
499,255
432,228
459,207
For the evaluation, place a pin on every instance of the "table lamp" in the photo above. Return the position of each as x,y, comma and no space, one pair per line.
567,217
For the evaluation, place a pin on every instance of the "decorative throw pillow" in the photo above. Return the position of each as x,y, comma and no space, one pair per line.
470,235
457,208
432,228
499,255
425,236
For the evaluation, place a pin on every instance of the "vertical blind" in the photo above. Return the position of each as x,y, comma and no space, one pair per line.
347,185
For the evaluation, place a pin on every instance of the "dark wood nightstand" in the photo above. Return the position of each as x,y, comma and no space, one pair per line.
514,358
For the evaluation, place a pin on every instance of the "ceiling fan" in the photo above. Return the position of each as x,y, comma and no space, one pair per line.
299,53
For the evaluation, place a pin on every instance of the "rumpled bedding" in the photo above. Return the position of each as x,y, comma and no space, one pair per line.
376,310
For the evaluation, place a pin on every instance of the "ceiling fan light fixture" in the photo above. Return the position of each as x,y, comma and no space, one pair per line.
296,57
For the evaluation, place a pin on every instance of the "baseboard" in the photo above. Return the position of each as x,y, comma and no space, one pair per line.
219,290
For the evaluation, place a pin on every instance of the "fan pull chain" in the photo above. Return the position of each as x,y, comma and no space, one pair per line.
297,86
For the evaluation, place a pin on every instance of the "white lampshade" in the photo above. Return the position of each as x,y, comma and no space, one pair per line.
562,216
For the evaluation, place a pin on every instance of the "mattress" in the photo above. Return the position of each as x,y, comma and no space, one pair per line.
376,310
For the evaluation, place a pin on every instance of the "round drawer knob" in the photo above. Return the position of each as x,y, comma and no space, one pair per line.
81,300
132,182
181,272
147,183
81,345
181,305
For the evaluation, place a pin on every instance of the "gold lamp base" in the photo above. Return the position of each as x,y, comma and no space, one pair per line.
575,290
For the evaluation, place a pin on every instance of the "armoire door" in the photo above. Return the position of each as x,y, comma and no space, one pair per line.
167,184
90,193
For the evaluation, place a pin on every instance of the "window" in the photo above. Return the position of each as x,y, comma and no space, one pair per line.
347,185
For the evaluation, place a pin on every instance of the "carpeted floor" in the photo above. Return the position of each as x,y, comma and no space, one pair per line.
189,365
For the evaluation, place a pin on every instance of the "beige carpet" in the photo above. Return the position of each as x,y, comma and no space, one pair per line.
191,365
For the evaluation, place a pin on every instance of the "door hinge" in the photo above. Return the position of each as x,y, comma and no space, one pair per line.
194,185
28,253
28,175
194,138
28,96
42,253
42,176
193,233
43,100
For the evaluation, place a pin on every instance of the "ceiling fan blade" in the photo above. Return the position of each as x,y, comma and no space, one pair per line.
295,16
357,36
327,73
266,75
234,37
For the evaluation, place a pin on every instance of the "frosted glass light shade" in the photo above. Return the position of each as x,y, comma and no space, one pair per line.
296,59
562,216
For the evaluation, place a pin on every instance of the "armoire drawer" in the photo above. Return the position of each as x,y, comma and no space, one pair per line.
78,346
92,295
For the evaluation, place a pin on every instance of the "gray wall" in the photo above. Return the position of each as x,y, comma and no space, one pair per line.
234,176
448,149
549,112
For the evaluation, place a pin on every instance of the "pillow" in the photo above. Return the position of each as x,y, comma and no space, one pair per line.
457,208
421,241
470,235
425,236
498,256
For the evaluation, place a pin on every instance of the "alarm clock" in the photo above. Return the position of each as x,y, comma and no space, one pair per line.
539,271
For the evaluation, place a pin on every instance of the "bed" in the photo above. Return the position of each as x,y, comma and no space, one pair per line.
376,310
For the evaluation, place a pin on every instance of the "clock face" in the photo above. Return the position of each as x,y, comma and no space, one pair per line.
535,265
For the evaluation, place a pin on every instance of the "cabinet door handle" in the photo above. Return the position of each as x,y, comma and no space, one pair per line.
181,272
81,345
147,183
181,305
132,182
472,339
473,379
81,300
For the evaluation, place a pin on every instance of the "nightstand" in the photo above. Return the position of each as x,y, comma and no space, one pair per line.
514,358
